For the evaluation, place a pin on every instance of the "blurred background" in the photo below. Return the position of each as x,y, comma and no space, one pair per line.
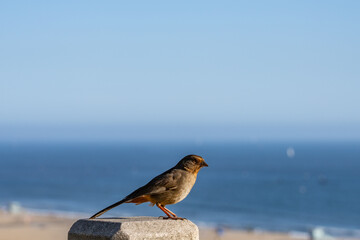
96,98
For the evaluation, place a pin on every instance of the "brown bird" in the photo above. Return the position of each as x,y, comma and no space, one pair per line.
168,188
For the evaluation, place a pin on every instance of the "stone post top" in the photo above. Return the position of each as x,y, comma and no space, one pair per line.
133,228
134,219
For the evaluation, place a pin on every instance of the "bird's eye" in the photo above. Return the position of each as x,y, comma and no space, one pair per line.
197,160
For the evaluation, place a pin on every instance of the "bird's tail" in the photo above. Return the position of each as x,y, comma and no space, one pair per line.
107,209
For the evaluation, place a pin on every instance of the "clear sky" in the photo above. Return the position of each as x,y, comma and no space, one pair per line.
184,63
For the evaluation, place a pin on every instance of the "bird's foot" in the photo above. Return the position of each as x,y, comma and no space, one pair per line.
173,218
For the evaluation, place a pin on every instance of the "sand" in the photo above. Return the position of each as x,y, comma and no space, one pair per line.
43,227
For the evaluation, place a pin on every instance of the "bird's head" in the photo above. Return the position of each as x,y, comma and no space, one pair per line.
192,163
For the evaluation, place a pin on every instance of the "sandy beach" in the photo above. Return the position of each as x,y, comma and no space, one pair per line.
32,226
28,225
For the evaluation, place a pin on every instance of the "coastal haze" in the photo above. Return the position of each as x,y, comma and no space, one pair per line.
98,98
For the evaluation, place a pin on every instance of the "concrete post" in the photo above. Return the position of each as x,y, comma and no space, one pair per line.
133,228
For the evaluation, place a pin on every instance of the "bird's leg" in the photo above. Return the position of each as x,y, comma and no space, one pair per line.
162,209
168,212
175,217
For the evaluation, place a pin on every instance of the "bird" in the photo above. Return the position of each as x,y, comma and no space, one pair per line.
168,188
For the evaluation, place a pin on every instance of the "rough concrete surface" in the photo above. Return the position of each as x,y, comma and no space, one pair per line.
133,228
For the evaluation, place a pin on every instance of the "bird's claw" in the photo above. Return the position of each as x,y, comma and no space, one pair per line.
173,218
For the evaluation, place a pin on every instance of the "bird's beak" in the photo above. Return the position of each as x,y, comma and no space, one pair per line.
204,164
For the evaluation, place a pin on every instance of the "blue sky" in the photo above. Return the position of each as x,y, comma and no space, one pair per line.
220,64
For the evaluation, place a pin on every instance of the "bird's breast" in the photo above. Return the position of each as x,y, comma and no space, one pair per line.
182,189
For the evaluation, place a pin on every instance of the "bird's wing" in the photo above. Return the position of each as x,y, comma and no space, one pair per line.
167,181
161,183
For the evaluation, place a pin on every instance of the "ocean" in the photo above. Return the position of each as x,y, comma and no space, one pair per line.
280,186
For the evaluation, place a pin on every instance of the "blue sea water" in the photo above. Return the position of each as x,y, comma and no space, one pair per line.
270,185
